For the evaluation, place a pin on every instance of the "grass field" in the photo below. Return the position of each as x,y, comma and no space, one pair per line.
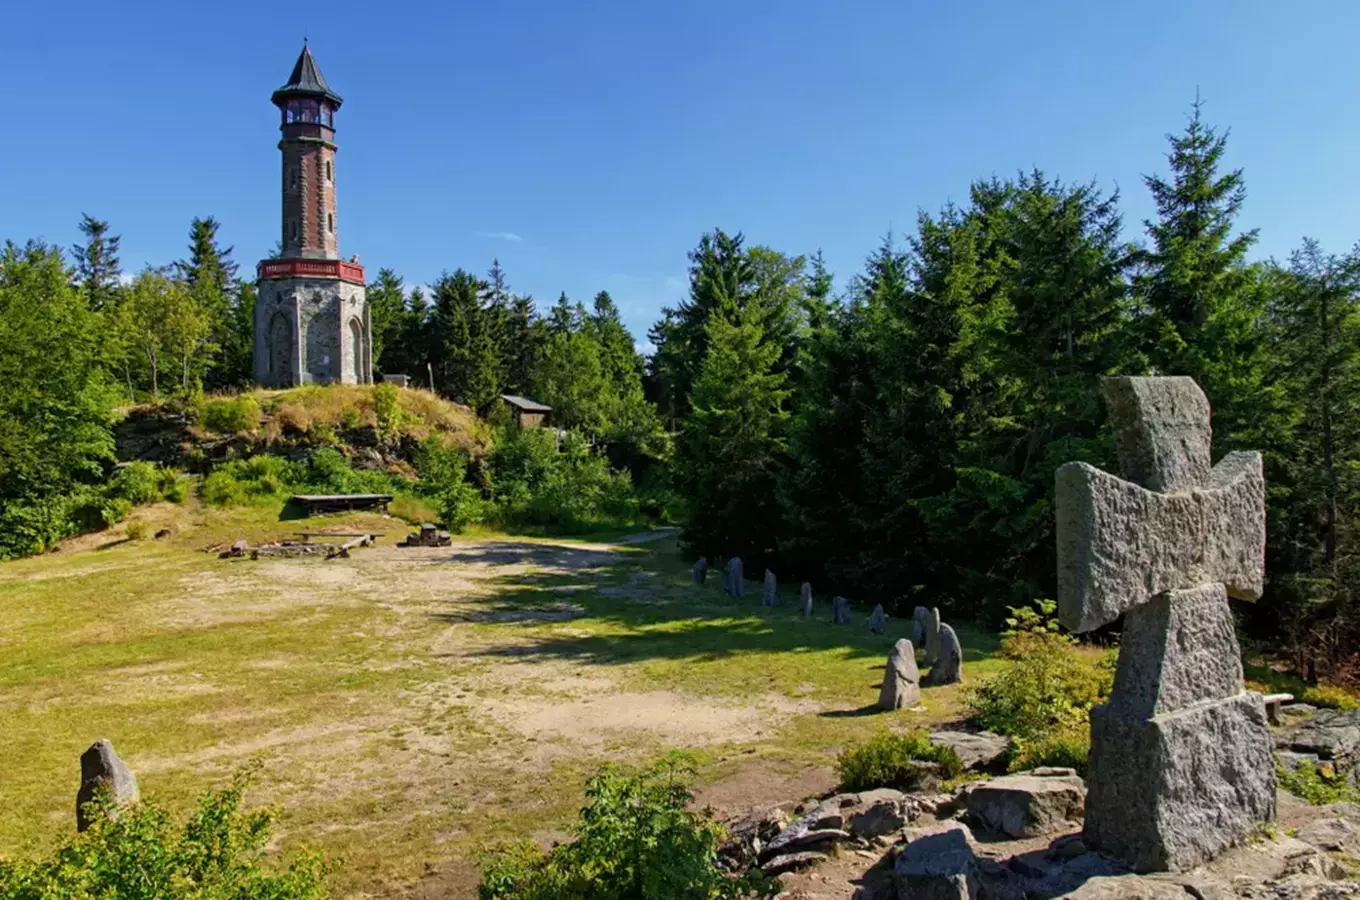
410,705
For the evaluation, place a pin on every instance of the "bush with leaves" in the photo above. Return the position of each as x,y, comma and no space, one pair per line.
1043,698
230,415
218,854
889,759
388,412
443,478
636,839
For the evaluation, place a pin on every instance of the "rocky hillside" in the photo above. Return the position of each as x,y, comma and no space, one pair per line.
384,434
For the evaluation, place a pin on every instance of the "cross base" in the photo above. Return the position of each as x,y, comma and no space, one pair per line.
1173,791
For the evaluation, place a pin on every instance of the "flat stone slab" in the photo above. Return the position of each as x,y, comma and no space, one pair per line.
792,862
977,750
1331,734
1028,804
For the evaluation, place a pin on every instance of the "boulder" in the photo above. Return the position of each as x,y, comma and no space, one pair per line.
747,836
1129,887
101,769
1028,804
939,866
948,668
1331,734
878,620
879,812
901,679
978,751
769,594
1334,834
805,600
816,829
918,626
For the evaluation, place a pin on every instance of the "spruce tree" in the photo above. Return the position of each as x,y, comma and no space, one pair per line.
209,274
731,454
466,369
98,268
386,308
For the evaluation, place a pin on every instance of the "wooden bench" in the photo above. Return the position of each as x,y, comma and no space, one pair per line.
324,503
1273,704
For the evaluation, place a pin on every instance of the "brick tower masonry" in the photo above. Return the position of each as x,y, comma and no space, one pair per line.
312,321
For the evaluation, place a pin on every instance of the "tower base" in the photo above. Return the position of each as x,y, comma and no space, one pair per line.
312,331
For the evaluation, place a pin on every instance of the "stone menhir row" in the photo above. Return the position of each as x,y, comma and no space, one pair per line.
1180,765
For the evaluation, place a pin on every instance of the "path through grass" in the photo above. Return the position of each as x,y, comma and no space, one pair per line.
411,704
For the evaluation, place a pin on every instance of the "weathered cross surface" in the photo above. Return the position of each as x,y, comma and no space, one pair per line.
1180,764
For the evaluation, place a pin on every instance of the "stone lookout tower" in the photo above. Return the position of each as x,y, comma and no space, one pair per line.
312,322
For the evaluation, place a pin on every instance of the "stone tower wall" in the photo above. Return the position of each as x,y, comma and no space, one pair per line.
323,317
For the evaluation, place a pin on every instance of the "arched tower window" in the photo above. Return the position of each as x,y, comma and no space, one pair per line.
295,229
330,174
330,222
292,173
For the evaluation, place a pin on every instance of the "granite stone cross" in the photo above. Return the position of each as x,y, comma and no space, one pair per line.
1180,765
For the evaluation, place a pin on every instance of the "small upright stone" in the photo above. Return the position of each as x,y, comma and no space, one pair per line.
878,621
769,594
840,611
902,680
805,600
736,581
948,668
100,766
701,570
918,626
932,623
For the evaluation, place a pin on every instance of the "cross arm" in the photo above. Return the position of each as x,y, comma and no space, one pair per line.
1120,544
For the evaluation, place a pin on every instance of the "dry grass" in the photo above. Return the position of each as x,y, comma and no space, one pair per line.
344,406
411,704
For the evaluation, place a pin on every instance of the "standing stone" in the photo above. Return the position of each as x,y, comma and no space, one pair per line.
1180,766
769,595
948,668
840,611
918,625
736,581
701,570
932,623
901,681
877,620
100,766
805,600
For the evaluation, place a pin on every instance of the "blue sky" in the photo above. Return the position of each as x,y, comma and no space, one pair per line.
589,144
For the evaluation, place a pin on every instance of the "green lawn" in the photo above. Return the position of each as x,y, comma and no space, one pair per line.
410,705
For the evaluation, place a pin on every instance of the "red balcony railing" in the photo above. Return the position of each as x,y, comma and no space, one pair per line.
311,268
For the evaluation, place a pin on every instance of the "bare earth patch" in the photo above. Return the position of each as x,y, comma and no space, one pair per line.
409,705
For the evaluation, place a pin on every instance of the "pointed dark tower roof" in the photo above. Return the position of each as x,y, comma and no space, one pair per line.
306,81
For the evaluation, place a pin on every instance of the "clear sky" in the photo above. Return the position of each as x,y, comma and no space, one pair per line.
589,144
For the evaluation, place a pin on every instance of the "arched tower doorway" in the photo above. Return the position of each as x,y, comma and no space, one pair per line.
356,350
280,350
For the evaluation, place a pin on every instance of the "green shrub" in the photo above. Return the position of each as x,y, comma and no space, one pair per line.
328,471
136,531
230,415
388,412
1329,697
636,839
1318,787
887,760
34,527
1066,748
221,489
533,483
1048,688
218,854
138,482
